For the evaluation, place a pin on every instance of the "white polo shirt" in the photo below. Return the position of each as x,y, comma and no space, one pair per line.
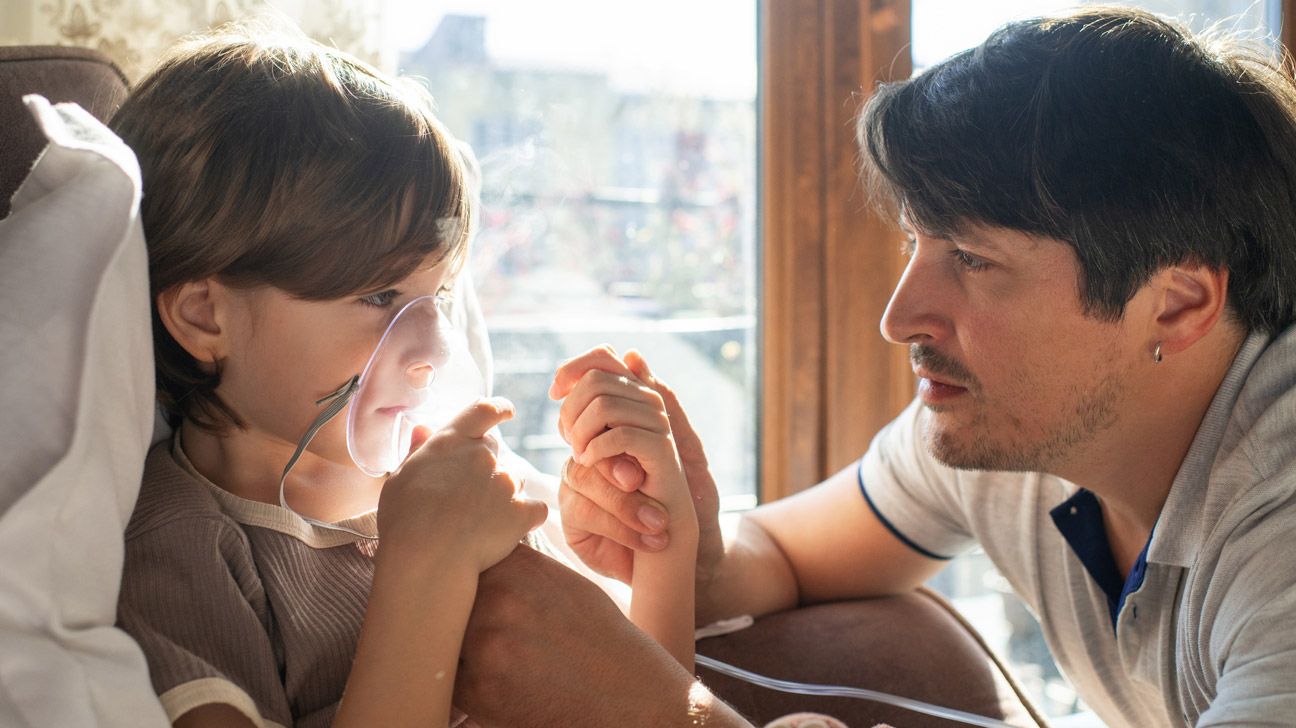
1203,631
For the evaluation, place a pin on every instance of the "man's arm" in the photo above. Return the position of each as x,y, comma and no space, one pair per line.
825,543
1257,660
546,647
822,544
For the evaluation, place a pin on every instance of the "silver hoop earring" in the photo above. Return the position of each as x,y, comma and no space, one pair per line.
1156,355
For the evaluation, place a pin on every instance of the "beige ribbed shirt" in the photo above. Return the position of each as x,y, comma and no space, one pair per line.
239,602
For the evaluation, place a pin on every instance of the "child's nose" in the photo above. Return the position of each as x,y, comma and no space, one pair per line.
419,375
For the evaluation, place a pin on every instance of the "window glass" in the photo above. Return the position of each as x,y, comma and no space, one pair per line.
618,151
940,29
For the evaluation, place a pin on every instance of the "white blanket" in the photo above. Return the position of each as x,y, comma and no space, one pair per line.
76,413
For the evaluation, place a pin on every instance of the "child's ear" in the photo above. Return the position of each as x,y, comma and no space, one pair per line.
193,313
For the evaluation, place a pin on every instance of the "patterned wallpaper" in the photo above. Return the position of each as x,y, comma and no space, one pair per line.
133,33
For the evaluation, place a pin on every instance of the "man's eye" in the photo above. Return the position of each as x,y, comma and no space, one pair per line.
382,299
908,246
967,261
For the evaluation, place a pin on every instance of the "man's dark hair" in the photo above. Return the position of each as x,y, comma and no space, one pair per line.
1117,132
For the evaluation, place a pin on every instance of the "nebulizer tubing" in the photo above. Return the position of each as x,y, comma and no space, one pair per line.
842,691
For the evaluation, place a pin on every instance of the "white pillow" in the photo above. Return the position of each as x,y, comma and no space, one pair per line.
76,412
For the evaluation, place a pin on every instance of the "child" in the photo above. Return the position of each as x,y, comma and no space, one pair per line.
294,200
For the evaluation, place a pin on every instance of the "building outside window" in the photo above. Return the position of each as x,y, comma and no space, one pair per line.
618,155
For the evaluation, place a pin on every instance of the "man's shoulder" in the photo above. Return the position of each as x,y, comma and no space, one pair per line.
1242,567
1250,480
1262,425
1261,519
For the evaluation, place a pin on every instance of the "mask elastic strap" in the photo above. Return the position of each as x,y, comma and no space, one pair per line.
337,401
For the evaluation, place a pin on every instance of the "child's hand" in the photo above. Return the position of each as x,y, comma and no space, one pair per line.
451,497
605,519
614,414
607,416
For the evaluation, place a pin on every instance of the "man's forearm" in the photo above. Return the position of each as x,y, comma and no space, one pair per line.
753,577
686,704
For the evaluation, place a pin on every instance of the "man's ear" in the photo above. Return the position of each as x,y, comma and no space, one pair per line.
193,313
1191,301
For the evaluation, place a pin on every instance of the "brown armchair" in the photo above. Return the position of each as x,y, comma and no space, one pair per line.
913,645
58,73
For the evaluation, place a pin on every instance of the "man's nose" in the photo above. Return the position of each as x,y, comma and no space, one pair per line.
419,374
912,315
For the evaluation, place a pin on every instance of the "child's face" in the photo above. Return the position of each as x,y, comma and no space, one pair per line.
284,354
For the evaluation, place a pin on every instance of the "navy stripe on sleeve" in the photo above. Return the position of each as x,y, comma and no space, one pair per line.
891,527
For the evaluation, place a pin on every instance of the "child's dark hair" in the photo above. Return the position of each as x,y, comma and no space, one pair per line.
1135,142
271,160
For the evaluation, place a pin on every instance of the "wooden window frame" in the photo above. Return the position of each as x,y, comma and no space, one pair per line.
1287,32
829,379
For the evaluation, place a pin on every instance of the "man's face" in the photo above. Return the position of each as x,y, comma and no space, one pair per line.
1013,374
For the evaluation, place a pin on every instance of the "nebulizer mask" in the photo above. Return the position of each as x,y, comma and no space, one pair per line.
421,373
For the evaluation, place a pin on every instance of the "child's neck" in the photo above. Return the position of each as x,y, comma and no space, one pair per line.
249,464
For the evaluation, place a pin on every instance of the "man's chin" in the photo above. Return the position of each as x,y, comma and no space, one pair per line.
966,449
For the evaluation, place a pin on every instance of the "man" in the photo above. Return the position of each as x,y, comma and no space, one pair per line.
1098,305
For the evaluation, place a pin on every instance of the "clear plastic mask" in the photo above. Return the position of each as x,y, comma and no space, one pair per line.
421,373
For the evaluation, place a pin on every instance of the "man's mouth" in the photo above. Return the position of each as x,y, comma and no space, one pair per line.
935,378
941,378
934,390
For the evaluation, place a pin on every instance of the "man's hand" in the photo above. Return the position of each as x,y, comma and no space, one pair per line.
604,515
546,647
599,537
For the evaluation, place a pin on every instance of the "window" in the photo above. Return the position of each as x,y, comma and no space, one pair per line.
618,155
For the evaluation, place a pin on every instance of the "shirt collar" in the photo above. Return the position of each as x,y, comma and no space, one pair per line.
276,518
1184,506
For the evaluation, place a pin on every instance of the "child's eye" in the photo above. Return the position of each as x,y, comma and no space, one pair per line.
382,299
908,246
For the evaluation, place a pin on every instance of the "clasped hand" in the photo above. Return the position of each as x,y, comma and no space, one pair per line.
606,499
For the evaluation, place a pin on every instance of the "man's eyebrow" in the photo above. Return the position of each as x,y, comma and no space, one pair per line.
971,237
966,235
